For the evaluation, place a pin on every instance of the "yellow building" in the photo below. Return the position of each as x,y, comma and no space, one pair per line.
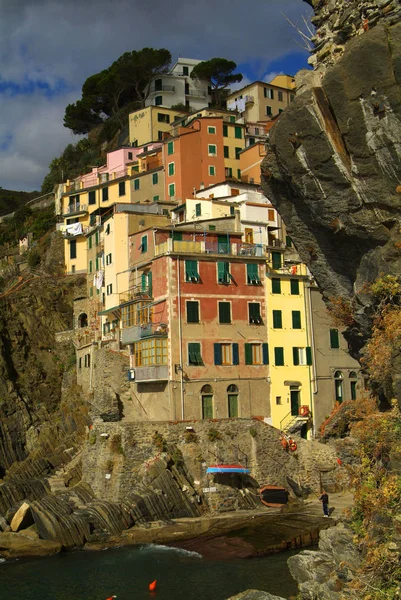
261,101
290,346
148,125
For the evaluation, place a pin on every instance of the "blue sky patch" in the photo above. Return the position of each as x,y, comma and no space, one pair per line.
31,86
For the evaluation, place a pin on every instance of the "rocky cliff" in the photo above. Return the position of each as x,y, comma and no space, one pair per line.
334,169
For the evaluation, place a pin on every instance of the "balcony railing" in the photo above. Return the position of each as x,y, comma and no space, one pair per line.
163,88
129,335
75,208
151,373
208,247
196,94
135,293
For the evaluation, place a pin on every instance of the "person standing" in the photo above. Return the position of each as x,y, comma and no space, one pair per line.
324,499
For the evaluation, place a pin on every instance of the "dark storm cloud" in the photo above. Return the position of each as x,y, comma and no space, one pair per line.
49,47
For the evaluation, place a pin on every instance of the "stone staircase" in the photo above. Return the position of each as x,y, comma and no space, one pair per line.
57,481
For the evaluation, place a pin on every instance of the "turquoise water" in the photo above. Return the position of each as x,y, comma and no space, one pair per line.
127,572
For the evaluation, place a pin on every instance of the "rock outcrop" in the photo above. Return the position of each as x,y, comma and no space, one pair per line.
334,169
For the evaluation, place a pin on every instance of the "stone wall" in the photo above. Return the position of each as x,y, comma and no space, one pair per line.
337,22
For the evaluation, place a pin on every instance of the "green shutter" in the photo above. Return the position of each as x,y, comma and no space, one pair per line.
296,319
288,241
279,357
295,356
308,355
191,271
194,354
238,132
229,172
171,169
217,354
198,209
224,312
225,131
223,274
254,313
193,312
226,151
144,281
149,278
334,338
235,354
136,184
90,242
92,197
237,151
294,283
248,354
277,319
144,243
170,148
265,351
238,173
276,260
276,286
155,178
90,266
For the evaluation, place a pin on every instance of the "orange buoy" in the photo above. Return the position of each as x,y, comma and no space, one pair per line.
111,597
152,586
292,445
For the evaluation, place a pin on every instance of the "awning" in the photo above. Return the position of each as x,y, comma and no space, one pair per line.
227,469
107,311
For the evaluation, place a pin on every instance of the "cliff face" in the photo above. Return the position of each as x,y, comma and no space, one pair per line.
334,171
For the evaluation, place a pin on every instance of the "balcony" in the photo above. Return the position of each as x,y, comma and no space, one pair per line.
140,332
208,247
149,374
74,209
195,94
163,88
136,293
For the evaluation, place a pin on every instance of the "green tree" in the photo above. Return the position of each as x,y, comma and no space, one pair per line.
220,73
80,117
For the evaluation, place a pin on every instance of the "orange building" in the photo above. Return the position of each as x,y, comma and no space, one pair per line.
193,157
250,160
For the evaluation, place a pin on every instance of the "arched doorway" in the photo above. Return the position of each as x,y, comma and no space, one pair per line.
83,320
339,386
232,398
207,402
353,383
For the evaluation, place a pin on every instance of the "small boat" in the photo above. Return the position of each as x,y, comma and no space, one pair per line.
273,496
228,469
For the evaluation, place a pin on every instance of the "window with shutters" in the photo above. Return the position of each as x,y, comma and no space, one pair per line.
92,197
277,319
90,266
108,259
155,178
170,148
237,151
276,286
294,286
296,319
212,170
105,194
211,130
224,312
212,150
269,93
89,242
269,112
121,188
144,244
225,130
238,132
198,209
171,190
194,354
191,271
109,289
256,353
223,272
73,249
192,311
254,314
229,172
171,168
136,184
279,357
276,260
162,118
226,354
334,339
302,356
158,100
226,152
156,199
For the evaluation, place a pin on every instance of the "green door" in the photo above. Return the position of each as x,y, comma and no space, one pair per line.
353,390
232,405
223,244
294,402
207,407
177,236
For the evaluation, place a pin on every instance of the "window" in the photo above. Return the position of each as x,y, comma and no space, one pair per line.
192,311
254,314
92,197
278,400
105,194
334,339
194,354
171,168
269,112
198,209
338,386
170,148
207,402
121,188
232,397
151,352
277,319
97,238
160,135
162,118
353,384
185,70
232,210
251,141
294,286
211,130
276,260
137,184
279,357
229,172
296,319
226,152
108,259
280,96
158,100
238,173
302,356
155,178
223,272
73,249
191,271
252,274
109,289
144,244
138,313
224,312
156,199
89,242
238,132
269,93
276,286
237,151
226,354
90,266
256,354
87,360
212,150
212,170
171,190
232,119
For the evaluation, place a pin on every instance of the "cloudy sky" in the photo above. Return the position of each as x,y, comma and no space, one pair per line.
49,47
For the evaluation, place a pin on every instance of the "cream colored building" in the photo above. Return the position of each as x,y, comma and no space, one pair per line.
259,101
150,124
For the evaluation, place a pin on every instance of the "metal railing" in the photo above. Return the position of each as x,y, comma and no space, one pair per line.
135,293
209,247
75,208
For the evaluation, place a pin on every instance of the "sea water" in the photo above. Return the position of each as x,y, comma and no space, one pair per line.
127,572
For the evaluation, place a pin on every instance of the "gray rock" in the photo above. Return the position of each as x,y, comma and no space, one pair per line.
255,595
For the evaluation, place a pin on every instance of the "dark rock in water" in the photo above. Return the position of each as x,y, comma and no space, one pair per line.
16,545
255,595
